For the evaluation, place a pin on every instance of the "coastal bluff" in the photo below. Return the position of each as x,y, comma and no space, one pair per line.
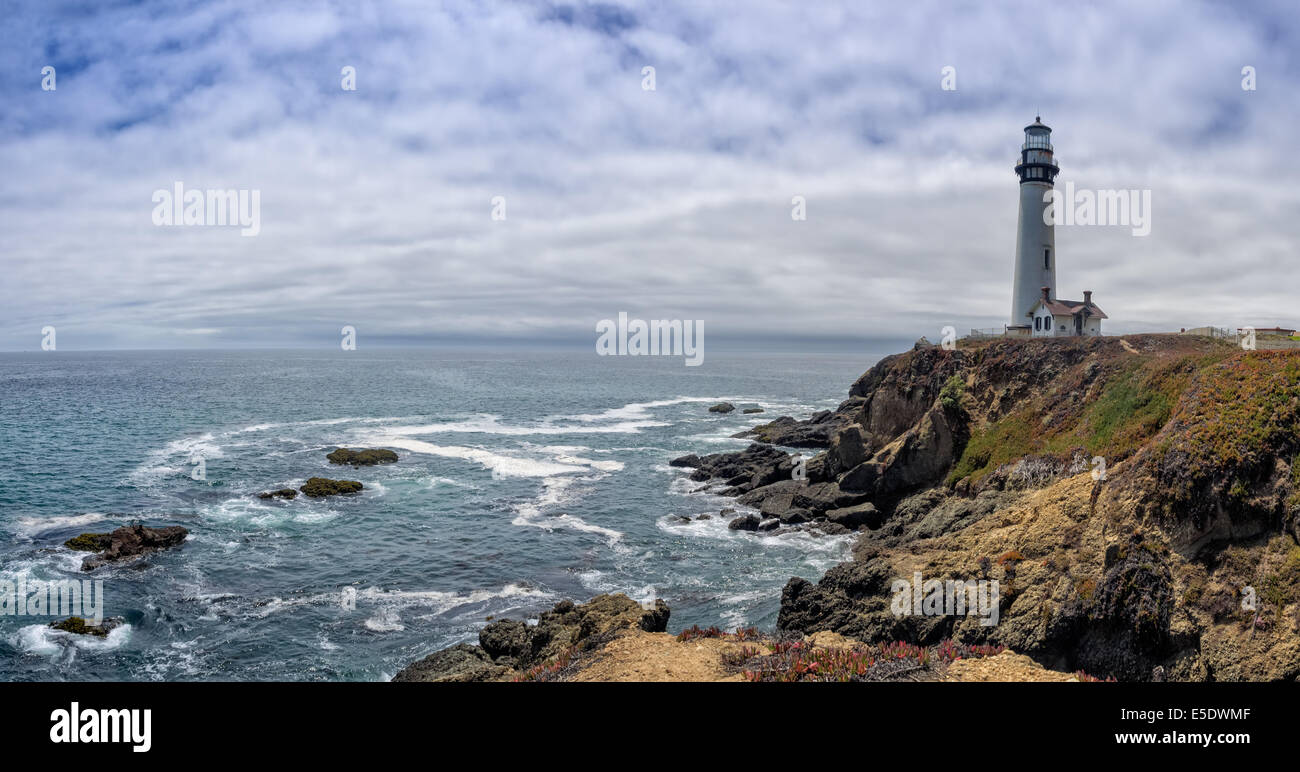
1136,499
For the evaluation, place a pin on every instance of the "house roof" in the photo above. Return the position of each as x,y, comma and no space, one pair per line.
1060,307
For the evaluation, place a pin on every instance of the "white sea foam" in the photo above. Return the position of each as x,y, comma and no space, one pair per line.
41,639
555,491
491,424
30,526
438,601
385,620
638,410
174,458
500,464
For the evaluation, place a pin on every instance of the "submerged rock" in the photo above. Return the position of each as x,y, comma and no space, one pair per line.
127,542
722,407
317,487
79,626
364,457
283,493
752,410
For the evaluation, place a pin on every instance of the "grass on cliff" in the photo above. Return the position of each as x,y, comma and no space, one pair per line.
1134,402
1244,411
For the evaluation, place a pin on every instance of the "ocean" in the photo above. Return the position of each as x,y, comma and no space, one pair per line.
523,479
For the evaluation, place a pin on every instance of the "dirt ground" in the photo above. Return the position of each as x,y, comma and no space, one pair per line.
642,656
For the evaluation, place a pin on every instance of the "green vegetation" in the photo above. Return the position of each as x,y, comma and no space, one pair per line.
88,542
1133,404
1000,443
951,393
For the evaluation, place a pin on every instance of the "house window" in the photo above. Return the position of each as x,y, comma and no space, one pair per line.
1062,328
1047,259
1038,323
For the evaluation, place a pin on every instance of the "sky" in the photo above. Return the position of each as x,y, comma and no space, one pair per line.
377,204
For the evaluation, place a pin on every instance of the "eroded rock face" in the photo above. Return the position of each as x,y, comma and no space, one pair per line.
981,464
126,542
848,448
364,457
317,487
508,647
1128,635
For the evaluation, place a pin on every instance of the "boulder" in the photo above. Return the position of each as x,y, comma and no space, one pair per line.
770,524
848,449
506,638
655,619
744,523
857,516
777,504
317,487
795,516
863,477
820,497
132,541
459,664
722,407
363,457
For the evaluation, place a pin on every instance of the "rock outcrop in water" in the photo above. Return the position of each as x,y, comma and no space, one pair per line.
364,457
125,543
79,626
509,648
1126,498
317,487
283,493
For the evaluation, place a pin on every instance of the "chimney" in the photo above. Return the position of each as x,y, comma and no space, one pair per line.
1047,294
1087,298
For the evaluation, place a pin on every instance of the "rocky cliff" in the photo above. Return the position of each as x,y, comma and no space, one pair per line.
1135,500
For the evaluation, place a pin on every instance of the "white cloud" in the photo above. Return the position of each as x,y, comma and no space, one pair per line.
671,203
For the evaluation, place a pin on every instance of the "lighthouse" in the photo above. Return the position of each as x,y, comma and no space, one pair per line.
1035,272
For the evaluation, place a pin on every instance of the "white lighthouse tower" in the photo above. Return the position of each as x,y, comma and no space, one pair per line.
1035,240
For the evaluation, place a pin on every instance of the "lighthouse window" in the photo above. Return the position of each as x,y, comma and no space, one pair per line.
1047,258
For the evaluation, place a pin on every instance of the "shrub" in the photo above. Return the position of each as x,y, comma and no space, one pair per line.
951,393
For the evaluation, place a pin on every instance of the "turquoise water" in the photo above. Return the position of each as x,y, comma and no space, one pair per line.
523,479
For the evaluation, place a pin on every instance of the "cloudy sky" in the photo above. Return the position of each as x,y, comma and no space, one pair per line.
672,203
